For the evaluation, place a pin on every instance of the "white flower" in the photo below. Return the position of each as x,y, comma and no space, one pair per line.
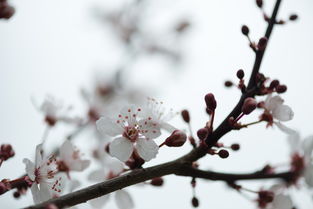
46,184
54,111
281,200
275,107
130,133
122,198
159,114
303,150
70,158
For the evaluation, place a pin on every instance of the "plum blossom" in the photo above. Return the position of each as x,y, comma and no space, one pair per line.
122,198
43,174
130,134
301,153
70,158
280,200
275,109
55,111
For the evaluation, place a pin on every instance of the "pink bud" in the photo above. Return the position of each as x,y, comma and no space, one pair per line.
158,181
262,43
235,147
248,106
185,115
202,133
259,3
210,101
51,206
3,188
223,153
274,83
176,139
293,17
240,74
245,30
195,202
281,89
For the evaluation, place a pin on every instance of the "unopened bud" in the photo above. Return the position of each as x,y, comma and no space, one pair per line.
210,101
248,106
195,202
235,147
7,12
228,84
50,120
240,74
259,3
274,83
281,88
262,43
293,17
185,115
266,196
158,181
223,153
245,30
16,194
280,22
6,151
202,133
3,188
51,206
176,139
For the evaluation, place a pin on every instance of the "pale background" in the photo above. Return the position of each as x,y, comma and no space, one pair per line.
55,46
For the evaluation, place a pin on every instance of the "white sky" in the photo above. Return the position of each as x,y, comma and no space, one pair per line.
54,47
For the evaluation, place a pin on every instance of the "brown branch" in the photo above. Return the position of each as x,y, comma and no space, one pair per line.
252,87
176,166
230,178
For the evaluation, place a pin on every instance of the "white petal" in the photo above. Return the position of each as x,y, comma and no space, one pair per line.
307,146
45,192
99,202
123,200
283,113
272,102
30,169
39,155
79,165
97,175
286,129
147,149
107,126
168,127
282,201
121,148
308,176
115,166
66,150
149,129
74,184
35,193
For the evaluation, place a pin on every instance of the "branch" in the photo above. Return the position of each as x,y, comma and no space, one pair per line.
172,167
252,88
230,178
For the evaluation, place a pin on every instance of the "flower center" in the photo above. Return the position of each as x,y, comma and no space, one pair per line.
131,133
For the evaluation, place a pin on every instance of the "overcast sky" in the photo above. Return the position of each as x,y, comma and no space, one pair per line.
56,46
